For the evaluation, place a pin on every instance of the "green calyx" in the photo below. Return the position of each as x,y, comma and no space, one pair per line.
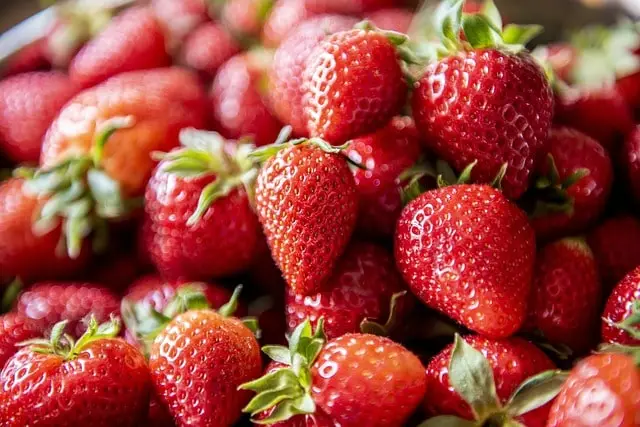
65,346
632,351
370,326
471,377
80,195
460,31
631,323
399,40
10,295
286,392
204,154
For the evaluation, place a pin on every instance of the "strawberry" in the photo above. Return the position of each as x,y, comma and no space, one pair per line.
615,247
342,98
484,103
137,113
197,363
467,251
353,379
356,7
98,380
386,154
245,18
238,99
394,19
621,316
561,57
630,159
500,382
574,186
179,17
28,104
30,58
360,290
116,270
284,17
602,390
208,47
307,204
288,66
48,303
132,41
22,244
14,329
566,297
202,224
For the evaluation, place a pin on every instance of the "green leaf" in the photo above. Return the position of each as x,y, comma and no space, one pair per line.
228,309
278,353
10,295
445,173
632,351
447,421
287,389
535,392
448,20
271,381
187,298
479,32
302,330
219,188
286,410
471,377
465,175
105,131
497,181
107,194
520,34
370,326
575,177
631,323
57,331
491,12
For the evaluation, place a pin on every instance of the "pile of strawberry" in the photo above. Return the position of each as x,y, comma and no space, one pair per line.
437,230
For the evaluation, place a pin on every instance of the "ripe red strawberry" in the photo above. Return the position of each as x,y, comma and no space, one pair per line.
30,58
567,297
28,104
14,329
360,288
202,224
616,247
630,158
179,17
486,104
307,203
575,185
342,97
356,7
288,66
21,245
602,390
621,316
395,19
386,154
245,18
353,379
132,41
208,47
98,380
238,99
468,252
48,303
197,364
284,17
477,378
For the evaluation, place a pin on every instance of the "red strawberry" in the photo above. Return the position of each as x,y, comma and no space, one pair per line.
468,252
116,271
616,247
48,303
567,296
361,287
307,203
22,245
197,364
342,97
575,187
386,154
483,103
132,41
621,317
354,380
561,57
30,58
474,377
630,158
289,63
28,104
179,17
355,7
602,390
208,47
14,329
238,98
245,18
202,224
98,380
395,19
284,17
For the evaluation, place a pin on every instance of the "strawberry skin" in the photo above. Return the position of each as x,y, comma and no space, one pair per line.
132,41
468,252
289,62
356,7
394,19
307,204
512,361
386,154
572,150
212,356
28,104
208,47
30,58
488,106
48,303
14,329
359,288
161,102
567,295
284,17
602,390
631,162
106,384
179,17
619,307
342,97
